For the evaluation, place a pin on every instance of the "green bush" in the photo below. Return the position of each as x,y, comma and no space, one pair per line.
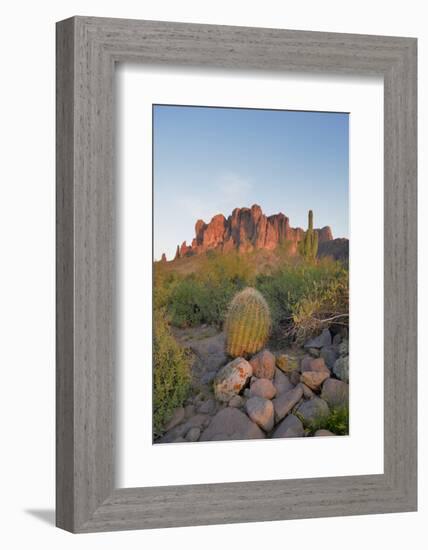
336,422
171,372
203,297
305,298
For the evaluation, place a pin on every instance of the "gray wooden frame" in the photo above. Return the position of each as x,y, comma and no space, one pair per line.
87,50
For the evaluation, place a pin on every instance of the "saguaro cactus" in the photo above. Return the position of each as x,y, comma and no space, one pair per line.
248,323
309,244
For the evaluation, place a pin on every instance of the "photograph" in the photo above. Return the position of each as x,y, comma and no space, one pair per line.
250,274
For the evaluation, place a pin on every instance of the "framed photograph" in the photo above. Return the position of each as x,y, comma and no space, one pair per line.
236,274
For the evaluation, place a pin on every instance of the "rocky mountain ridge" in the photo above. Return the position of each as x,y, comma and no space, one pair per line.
245,230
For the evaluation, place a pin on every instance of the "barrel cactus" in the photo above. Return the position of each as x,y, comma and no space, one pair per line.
248,323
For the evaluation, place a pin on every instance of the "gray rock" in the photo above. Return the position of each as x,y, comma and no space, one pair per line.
263,387
260,411
335,393
236,401
341,368
324,433
294,377
285,402
207,407
310,364
263,364
247,393
343,348
315,379
189,410
173,434
291,426
324,339
315,352
305,363
230,423
307,392
329,354
179,440
208,377
337,338
193,434
312,410
210,352
197,421
281,382
176,418
231,379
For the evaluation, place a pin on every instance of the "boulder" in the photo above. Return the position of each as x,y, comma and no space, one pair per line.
324,339
231,379
285,402
291,426
287,363
337,338
193,434
281,382
335,393
314,365
236,401
341,368
208,377
343,348
207,407
261,412
197,421
294,377
312,410
230,423
176,418
307,392
263,387
305,364
314,379
282,362
263,364
329,354
189,410
314,352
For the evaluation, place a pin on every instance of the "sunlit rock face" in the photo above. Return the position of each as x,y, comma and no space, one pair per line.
247,229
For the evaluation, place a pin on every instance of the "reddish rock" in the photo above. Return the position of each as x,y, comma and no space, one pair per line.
247,229
263,364
314,379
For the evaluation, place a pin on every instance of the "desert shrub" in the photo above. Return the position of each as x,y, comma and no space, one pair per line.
336,422
204,296
234,268
164,283
186,303
307,297
171,372
248,323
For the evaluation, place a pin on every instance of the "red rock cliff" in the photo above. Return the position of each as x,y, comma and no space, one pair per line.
244,230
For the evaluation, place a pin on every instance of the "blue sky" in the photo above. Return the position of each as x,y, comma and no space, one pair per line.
212,160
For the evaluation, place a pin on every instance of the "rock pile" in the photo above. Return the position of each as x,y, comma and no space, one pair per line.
269,396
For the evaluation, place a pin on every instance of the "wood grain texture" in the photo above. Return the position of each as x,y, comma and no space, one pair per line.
87,49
